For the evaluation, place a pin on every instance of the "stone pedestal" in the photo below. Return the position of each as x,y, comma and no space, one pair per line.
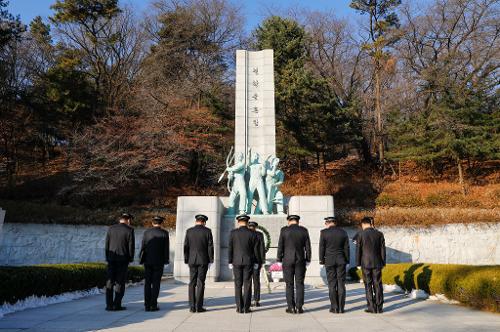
272,223
312,209
187,208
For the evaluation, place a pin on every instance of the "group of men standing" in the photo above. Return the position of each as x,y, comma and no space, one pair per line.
120,249
246,257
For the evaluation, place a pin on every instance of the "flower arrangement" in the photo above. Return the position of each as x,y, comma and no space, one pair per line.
276,271
275,267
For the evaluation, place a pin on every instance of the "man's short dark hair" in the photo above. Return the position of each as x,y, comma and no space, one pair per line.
126,216
367,220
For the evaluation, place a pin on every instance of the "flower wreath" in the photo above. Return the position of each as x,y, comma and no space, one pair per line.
267,235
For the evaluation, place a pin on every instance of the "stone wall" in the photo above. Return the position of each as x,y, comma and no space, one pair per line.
27,244
475,244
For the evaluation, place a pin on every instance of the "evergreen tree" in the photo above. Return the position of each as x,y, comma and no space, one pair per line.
308,113
382,19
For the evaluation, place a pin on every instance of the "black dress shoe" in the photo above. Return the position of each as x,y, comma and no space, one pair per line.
156,308
238,310
257,303
120,308
333,311
147,309
369,311
290,310
380,310
341,311
201,310
300,310
110,309
192,310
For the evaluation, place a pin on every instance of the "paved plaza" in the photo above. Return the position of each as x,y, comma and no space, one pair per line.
401,314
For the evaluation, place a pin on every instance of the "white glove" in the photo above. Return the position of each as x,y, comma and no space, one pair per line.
230,266
210,265
255,266
359,267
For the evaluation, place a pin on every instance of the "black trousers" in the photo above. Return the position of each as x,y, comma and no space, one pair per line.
197,277
256,283
335,274
373,288
243,285
115,283
152,282
294,278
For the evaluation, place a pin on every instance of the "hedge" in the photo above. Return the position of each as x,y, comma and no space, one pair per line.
475,286
20,282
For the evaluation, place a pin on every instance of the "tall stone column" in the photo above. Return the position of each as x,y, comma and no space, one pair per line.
255,121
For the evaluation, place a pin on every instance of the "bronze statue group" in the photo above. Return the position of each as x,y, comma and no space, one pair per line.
246,258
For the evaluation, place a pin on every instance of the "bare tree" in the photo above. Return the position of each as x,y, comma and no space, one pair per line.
111,48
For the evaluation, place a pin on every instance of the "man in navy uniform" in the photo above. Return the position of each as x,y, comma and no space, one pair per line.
155,252
371,256
243,260
119,247
334,255
294,252
198,254
252,225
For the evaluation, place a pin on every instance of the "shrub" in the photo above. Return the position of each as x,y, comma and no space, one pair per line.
20,282
476,286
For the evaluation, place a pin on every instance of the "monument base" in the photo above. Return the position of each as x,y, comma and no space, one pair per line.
312,209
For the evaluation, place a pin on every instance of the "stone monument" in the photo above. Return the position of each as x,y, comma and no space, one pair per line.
253,177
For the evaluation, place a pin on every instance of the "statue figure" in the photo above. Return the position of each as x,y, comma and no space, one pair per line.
236,174
256,183
274,179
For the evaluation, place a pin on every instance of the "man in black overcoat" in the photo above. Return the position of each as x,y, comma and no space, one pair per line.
334,255
119,248
155,253
294,252
199,255
371,256
243,260
252,225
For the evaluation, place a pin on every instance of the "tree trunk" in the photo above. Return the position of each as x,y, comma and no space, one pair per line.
461,176
365,150
378,114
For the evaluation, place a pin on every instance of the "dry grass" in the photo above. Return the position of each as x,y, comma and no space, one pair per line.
308,184
414,199
441,194
398,216
40,213
418,216
408,201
